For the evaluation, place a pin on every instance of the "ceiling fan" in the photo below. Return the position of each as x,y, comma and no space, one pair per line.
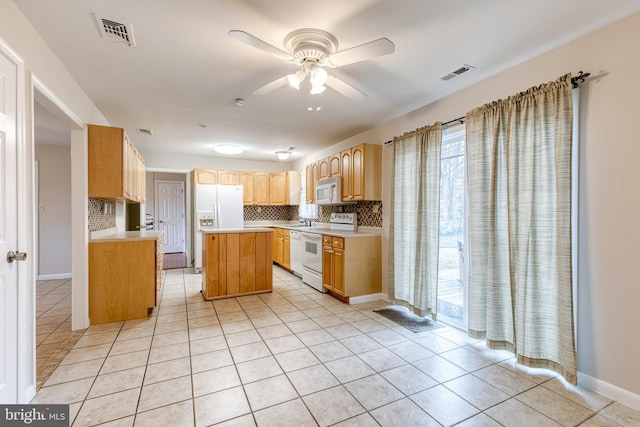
314,50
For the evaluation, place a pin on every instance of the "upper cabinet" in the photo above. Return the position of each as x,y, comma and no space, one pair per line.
262,188
285,188
334,165
116,169
206,176
361,169
228,178
248,181
293,187
312,174
323,168
277,190
258,188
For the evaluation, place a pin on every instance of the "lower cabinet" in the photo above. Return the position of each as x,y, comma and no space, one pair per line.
236,264
333,264
124,279
282,248
352,266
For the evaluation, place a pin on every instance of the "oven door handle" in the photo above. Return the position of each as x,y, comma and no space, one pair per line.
312,236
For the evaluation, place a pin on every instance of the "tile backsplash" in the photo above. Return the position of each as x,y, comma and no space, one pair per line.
98,220
270,213
368,214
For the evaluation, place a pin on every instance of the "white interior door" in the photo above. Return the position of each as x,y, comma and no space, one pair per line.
170,213
8,231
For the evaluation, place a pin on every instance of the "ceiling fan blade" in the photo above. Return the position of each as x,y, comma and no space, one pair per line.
345,88
255,42
270,87
372,49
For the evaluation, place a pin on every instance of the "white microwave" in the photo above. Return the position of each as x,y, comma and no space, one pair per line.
328,191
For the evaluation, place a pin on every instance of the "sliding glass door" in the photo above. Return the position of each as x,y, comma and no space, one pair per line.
452,280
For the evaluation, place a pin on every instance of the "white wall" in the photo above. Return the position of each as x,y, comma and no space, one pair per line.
609,230
171,162
54,215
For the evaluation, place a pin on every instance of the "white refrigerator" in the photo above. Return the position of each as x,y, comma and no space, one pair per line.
215,207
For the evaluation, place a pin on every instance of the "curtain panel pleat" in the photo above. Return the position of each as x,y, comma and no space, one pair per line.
520,269
414,225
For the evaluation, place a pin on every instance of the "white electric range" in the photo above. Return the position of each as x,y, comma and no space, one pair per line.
312,254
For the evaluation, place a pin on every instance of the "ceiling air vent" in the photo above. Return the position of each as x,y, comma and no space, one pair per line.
457,72
148,132
115,31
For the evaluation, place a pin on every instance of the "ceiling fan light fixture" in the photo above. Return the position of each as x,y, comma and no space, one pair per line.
318,76
317,89
295,79
283,155
227,149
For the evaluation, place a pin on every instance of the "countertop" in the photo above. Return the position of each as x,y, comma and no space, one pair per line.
239,230
112,235
322,229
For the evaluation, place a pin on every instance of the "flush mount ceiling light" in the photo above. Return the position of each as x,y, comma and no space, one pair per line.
227,149
283,155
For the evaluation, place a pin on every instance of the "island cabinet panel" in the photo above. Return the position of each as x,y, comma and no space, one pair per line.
264,271
236,264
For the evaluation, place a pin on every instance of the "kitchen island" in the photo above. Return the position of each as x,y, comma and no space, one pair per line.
236,262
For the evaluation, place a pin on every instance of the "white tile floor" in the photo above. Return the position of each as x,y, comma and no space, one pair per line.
296,357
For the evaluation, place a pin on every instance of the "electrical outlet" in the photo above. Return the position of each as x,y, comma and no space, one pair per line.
376,209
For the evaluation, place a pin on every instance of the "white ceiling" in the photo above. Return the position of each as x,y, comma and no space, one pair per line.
186,72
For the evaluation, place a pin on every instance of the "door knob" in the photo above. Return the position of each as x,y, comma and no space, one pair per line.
16,256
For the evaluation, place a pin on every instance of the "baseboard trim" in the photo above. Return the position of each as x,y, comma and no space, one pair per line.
54,276
365,298
611,391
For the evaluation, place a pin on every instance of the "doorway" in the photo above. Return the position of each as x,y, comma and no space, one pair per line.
170,217
60,224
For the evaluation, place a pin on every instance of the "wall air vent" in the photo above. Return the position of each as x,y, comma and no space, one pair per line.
457,72
115,31
148,132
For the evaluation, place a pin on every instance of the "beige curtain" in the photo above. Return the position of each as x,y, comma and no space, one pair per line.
520,271
415,211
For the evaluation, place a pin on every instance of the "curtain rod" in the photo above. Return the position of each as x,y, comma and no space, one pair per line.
575,81
450,122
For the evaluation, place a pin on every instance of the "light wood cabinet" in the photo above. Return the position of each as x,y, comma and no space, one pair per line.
124,279
323,168
262,188
236,264
334,165
293,186
282,248
362,255
333,264
310,185
361,168
312,174
278,192
228,177
115,168
206,176
258,188
248,181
